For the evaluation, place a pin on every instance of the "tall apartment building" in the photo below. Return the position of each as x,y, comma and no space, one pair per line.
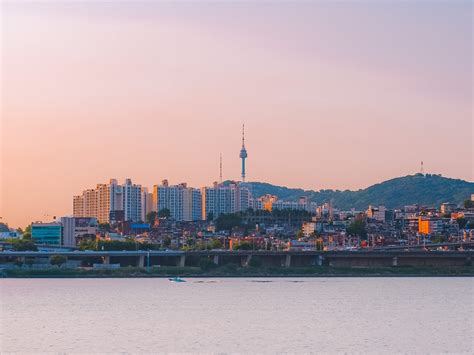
147,201
111,199
183,202
192,204
221,198
78,205
132,202
103,202
91,204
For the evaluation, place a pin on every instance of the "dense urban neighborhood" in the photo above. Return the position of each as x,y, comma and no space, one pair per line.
229,221
225,224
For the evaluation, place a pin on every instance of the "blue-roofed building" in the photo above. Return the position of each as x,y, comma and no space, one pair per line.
137,228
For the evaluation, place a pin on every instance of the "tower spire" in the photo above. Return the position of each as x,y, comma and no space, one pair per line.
243,153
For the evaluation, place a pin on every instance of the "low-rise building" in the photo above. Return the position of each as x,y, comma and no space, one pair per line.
447,207
308,228
429,225
301,245
7,233
47,233
76,228
377,213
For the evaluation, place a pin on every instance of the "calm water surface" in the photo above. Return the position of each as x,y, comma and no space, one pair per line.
379,315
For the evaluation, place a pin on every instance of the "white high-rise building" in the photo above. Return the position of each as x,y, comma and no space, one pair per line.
132,201
111,197
221,198
192,204
183,202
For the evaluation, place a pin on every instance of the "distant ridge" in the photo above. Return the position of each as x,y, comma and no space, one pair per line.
429,190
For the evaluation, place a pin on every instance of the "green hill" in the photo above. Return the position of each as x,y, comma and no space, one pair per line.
429,190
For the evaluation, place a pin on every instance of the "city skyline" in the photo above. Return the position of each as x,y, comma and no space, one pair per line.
236,176
313,118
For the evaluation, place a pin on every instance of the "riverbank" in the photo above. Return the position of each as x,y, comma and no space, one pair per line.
232,271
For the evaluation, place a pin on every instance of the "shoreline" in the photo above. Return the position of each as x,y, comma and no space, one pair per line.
190,272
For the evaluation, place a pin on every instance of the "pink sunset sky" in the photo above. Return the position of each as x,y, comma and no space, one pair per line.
333,95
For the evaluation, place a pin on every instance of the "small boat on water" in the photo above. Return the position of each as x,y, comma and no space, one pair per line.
177,279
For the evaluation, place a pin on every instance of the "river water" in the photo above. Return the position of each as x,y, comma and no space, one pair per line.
304,315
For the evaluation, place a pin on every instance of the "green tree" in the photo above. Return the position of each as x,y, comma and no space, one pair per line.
216,244
462,222
468,204
57,260
117,245
300,234
26,236
28,228
227,221
164,213
167,242
439,239
243,246
87,244
151,217
210,216
104,227
23,245
148,246
200,245
357,229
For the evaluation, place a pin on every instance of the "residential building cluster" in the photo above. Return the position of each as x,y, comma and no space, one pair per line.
115,211
220,199
112,202
323,228
183,202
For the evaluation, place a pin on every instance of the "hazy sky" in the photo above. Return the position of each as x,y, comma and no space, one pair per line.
333,95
